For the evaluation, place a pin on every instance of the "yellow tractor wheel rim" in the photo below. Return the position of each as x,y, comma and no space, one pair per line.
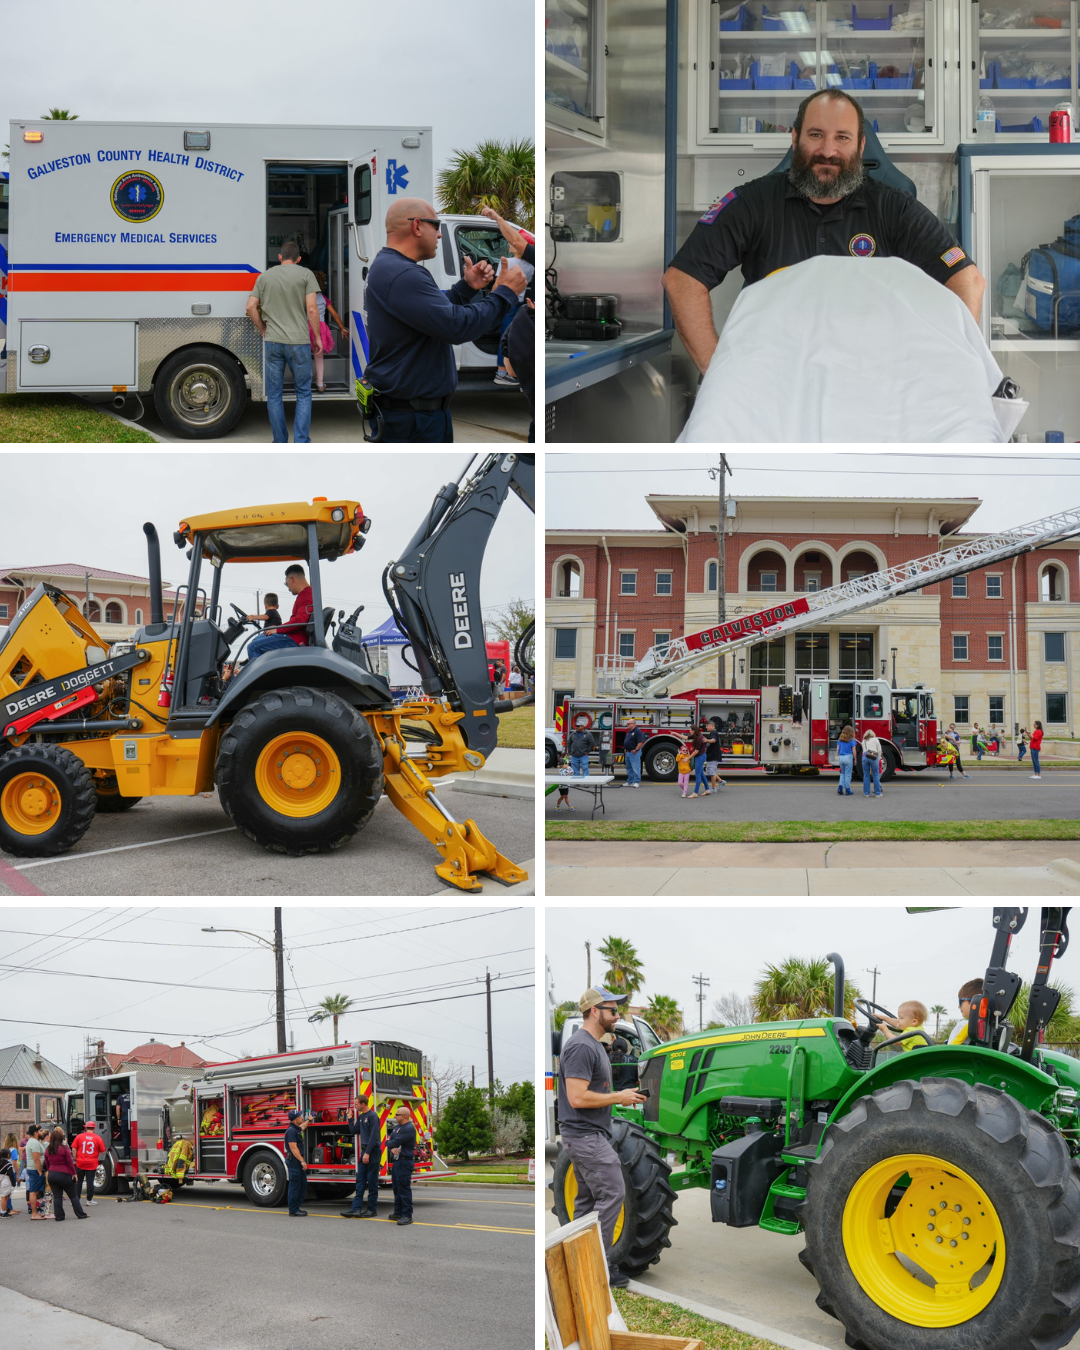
298,774
944,1226
30,803
570,1196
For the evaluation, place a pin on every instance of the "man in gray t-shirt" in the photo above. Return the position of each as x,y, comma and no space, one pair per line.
585,1102
282,306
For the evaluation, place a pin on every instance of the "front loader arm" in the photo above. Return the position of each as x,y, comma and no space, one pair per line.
433,589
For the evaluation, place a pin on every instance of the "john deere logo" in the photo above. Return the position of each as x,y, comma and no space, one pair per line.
137,196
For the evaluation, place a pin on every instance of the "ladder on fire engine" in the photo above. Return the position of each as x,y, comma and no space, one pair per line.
662,664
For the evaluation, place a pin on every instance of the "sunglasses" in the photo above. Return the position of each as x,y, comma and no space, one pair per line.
425,220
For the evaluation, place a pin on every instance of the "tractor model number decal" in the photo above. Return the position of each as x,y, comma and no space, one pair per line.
740,1037
460,600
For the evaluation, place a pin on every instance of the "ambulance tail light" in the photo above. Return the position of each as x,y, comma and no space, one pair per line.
33,136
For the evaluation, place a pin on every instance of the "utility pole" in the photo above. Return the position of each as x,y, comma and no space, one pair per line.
588,965
875,972
279,979
719,474
702,984
474,1075
491,1060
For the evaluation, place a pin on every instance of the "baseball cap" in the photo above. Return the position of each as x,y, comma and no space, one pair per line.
91,1125
295,1115
591,998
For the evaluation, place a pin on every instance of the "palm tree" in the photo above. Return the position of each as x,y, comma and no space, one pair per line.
494,174
335,1006
624,974
797,988
59,115
664,1016
563,1011
1063,1026
939,1010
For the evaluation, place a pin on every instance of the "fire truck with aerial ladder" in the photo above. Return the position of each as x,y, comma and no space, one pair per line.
235,1115
800,727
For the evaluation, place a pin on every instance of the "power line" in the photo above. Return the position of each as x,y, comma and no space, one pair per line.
762,468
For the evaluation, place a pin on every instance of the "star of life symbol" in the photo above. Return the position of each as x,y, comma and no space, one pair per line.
395,176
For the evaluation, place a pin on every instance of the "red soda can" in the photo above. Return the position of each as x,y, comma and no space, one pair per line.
1061,126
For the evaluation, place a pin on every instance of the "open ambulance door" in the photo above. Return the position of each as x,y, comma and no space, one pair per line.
96,1108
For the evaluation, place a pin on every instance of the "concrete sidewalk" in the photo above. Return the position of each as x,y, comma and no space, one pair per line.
879,869
507,773
34,1325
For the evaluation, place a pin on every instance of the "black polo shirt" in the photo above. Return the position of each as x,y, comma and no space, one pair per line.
767,224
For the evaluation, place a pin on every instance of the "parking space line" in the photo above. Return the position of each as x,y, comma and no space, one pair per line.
121,848
418,1223
16,884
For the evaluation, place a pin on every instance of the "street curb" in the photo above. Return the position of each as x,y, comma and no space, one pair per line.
1065,867
493,788
743,1324
38,1325
109,412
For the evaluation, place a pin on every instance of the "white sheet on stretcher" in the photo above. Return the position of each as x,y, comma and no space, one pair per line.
844,350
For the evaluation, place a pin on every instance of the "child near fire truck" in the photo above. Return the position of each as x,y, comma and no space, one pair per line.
684,762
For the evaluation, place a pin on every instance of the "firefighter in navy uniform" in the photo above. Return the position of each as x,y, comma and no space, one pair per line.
823,206
294,1159
402,1146
365,1128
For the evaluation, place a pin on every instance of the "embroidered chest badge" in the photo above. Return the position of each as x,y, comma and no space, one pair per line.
863,246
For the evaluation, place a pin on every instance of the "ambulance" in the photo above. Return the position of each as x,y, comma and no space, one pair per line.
3,265
133,248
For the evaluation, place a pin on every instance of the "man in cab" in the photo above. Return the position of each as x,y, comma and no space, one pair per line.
825,205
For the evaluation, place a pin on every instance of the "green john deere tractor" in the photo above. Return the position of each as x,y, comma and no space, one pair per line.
938,1190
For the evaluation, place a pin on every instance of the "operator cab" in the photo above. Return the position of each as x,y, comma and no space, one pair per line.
841,714
905,719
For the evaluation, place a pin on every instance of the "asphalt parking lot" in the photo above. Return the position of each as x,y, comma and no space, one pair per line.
212,1272
502,415
987,795
188,846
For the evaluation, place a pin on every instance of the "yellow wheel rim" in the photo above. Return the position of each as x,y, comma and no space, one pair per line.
570,1196
30,803
944,1227
298,774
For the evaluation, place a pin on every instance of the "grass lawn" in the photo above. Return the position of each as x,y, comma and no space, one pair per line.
517,730
504,1172
807,831
668,1319
51,418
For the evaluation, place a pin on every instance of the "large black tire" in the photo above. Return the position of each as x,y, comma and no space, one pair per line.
265,1179
109,800
249,801
646,1218
199,393
659,763
105,1176
551,755
58,781
888,764
1023,1167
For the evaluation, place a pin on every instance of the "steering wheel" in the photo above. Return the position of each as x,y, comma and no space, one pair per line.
241,617
864,1005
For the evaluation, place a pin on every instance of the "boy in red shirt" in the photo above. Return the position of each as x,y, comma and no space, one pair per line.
293,633
87,1148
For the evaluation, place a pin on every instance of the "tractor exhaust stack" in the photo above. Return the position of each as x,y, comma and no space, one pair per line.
838,983
157,605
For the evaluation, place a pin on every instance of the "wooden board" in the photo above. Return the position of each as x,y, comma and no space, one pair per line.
561,1296
587,1269
644,1340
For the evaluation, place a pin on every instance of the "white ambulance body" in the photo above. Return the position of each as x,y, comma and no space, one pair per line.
133,248
3,264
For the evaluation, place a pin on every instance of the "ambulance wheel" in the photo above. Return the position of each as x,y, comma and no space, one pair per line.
266,1180
109,799
47,800
660,764
199,393
299,771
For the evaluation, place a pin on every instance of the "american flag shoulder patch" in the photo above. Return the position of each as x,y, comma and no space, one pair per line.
953,256
710,215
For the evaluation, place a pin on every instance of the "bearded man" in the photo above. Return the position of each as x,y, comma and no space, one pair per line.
824,205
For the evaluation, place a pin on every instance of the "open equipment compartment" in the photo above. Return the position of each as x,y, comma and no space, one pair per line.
327,1141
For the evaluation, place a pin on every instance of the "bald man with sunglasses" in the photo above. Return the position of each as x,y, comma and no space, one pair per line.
413,326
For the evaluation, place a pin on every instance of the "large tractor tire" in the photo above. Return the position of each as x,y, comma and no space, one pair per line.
299,771
641,1230
47,800
941,1216
109,800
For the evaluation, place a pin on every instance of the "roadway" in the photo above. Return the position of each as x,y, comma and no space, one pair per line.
188,846
989,794
210,1271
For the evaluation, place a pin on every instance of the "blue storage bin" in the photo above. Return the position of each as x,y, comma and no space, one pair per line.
870,25
990,81
902,82
857,81
773,23
1034,126
1004,82
804,84
774,81
743,20
1054,84
736,84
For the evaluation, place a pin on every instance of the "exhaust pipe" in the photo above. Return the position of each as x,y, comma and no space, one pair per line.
838,983
119,402
157,606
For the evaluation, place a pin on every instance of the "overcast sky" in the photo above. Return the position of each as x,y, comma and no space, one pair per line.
591,491
223,985
465,70
115,493
919,956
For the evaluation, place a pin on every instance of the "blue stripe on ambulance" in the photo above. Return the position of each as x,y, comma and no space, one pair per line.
3,298
361,332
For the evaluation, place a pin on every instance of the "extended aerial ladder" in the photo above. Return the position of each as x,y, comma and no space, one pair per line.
662,664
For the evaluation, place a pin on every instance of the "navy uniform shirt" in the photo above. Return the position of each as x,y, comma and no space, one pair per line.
403,1137
367,1127
293,1135
767,224
124,1103
413,326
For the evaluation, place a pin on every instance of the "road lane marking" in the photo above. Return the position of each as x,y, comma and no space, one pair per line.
418,1223
122,848
16,884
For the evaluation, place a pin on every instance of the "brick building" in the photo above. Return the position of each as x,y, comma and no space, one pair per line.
119,601
31,1087
999,645
156,1053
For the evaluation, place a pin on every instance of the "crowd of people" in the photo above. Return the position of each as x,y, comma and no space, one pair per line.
51,1170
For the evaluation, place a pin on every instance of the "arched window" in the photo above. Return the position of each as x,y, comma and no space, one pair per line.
112,613
857,564
568,581
138,616
712,575
1052,582
813,571
94,612
767,572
